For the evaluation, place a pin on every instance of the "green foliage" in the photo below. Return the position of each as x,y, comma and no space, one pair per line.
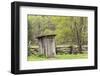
68,29
47,31
40,55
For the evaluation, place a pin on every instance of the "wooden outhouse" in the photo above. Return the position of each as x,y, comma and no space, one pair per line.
47,45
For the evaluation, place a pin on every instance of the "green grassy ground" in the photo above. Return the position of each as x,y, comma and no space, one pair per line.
64,56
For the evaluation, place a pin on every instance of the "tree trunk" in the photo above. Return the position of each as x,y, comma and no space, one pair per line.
78,36
71,50
80,47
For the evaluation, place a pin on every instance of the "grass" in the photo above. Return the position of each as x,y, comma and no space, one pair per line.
73,56
58,56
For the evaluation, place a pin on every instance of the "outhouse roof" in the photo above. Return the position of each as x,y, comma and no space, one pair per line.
49,35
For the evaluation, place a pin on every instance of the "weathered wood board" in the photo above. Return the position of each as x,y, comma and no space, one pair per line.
47,45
